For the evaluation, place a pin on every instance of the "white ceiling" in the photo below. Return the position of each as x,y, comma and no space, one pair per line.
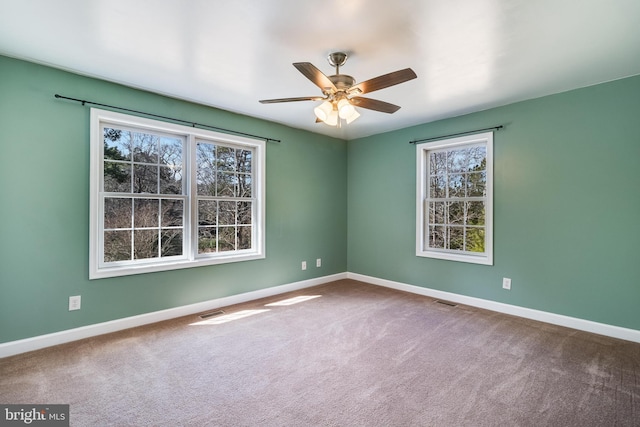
469,55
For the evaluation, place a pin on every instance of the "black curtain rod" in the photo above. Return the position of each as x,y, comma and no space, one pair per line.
416,141
192,124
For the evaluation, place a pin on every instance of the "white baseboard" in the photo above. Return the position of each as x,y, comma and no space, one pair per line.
542,316
29,344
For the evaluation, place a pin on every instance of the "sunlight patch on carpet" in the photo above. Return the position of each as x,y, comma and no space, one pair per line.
294,300
230,317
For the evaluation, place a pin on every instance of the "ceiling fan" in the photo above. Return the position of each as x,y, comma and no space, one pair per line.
341,94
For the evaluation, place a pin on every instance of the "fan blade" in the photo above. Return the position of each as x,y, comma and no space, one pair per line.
316,76
383,81
374,104
304,98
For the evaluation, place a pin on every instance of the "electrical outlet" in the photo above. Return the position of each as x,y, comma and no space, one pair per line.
319,262
74,303
506,283
304,265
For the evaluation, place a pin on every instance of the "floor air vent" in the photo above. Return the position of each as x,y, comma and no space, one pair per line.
450,304
211,314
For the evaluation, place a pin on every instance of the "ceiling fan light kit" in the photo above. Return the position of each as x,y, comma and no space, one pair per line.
341,93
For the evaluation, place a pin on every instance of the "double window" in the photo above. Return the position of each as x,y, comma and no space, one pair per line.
165,196
455,199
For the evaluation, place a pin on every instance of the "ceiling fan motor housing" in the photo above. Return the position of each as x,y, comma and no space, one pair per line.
342,81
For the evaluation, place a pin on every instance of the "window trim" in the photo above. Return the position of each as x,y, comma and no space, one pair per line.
422,168
191,258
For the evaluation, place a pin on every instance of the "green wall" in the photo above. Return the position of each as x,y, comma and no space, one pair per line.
566,206
44,207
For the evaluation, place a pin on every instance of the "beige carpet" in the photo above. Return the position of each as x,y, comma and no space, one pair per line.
357,355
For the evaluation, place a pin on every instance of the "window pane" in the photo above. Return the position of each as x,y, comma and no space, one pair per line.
117,177
244,238
117,245
226,159
456,185
171,151
207,212
477,158
456,238
475,239
243,160
171,242
206,172
207,240
475,213
438,163
436,213
170,180
172,213
117,213
226,184
227,239
117,144
437,186
227,213
244,186
145,148
145,179
244,213
457,160
456,212
476,184
145,243
145,213
436,237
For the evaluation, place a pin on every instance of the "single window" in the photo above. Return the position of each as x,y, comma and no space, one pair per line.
455,199
165,196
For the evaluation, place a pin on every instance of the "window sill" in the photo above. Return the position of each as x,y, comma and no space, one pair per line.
473,259
117,271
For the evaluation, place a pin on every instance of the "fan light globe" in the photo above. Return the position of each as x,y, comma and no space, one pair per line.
353,116
345,109
332,120
323,111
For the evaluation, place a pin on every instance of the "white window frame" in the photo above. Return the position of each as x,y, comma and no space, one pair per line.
422,190
190,257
